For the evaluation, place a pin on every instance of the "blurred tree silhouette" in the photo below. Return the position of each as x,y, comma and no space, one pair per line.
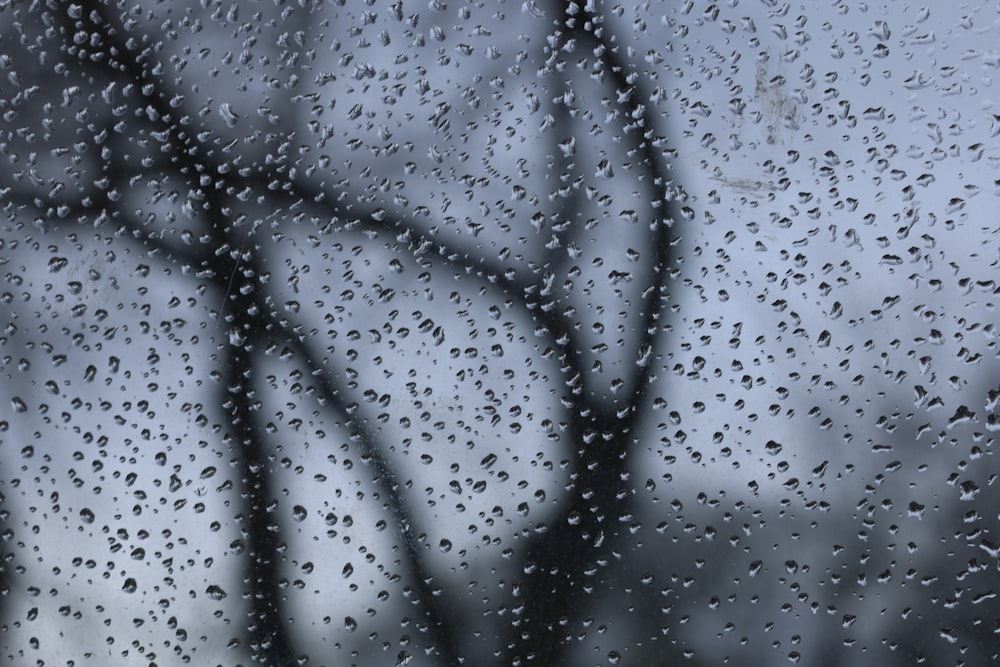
101,45
339,333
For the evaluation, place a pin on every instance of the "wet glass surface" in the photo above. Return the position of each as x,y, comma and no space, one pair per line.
531,333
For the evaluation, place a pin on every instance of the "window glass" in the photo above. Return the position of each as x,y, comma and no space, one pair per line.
530,333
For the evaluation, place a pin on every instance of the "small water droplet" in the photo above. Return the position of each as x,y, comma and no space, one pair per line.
229,116
57,264
215,592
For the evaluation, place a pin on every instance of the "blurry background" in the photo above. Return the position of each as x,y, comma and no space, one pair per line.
517,334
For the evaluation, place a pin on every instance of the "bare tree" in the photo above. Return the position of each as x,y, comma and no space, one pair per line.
108,53
262,172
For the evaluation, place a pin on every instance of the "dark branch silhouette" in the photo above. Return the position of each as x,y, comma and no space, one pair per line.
559,561
566,561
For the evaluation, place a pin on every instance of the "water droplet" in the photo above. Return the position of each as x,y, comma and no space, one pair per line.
215,592
57,264
229,116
